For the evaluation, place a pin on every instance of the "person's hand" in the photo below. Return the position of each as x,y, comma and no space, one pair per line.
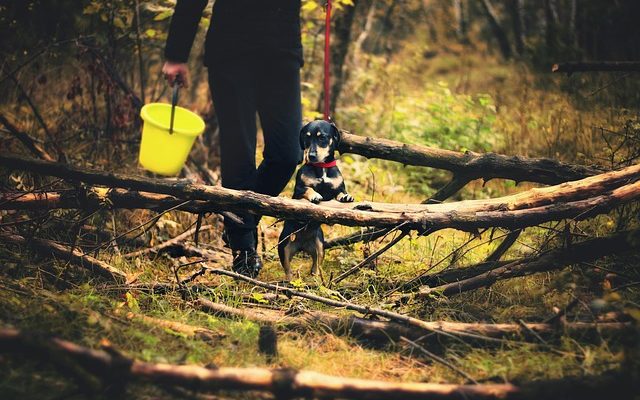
176,72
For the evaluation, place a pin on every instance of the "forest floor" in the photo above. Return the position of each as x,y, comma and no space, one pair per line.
479,104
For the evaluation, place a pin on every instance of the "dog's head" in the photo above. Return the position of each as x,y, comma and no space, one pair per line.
319,139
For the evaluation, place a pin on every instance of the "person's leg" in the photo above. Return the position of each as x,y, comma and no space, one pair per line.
280,111
233,92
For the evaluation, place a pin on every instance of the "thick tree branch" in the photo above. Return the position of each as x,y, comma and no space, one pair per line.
95,198
384,332
291,383
468,164
586,251
579,199
63,252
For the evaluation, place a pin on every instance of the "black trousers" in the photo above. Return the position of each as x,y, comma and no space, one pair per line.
270,87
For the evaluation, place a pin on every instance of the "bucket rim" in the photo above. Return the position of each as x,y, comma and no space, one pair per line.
147,118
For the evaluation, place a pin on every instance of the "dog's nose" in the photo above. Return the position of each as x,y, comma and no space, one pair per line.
313,157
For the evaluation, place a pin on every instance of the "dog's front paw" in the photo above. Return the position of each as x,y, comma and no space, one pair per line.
316,198
345,198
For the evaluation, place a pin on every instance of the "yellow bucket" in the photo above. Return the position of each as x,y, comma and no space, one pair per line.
160,151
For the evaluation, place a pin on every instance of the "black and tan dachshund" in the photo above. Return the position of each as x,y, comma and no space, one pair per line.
318,179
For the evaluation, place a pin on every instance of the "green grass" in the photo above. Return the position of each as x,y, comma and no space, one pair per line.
454,101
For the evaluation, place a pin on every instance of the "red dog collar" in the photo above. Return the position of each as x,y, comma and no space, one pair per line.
329,164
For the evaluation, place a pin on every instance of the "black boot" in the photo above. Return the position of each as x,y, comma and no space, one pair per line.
246,262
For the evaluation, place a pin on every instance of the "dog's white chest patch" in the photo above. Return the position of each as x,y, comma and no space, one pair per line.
324,178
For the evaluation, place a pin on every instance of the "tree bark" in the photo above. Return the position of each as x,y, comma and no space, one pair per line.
552,21
291,383
468,164
586,251
517,10
460,11
579,199
366,31
50,247
496,28
381,332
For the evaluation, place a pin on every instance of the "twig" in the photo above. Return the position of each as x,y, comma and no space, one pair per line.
366,310
506,244
152,220
39,118
423,273
550,260
454,186
440,360
531,331
76,256
26,140
167,243
372,257
379,331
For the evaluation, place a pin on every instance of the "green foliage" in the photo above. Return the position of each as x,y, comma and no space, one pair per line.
432,115
456,99
446,120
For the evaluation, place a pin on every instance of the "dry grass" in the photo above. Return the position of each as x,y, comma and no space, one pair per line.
528,114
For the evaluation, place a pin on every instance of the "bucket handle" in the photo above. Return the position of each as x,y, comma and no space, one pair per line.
174,101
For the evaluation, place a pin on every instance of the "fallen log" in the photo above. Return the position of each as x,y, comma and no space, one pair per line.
453,275
579,199
441,328
95,198
75,256
292,383
365,310
469,165
168,244
586,251
597,66
390,332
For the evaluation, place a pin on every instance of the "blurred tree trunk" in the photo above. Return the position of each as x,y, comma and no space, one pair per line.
343,28
428,11
573,16
366,30
498,31
381,42
517,9
552,21
462,24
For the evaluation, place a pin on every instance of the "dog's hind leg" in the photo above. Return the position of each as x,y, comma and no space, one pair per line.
286,255
317,255
286,249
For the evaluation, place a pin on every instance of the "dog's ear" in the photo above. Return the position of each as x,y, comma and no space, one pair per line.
303,131
335,134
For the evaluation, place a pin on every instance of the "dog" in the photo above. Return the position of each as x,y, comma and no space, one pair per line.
319,179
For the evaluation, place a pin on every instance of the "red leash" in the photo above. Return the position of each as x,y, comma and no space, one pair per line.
327,62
